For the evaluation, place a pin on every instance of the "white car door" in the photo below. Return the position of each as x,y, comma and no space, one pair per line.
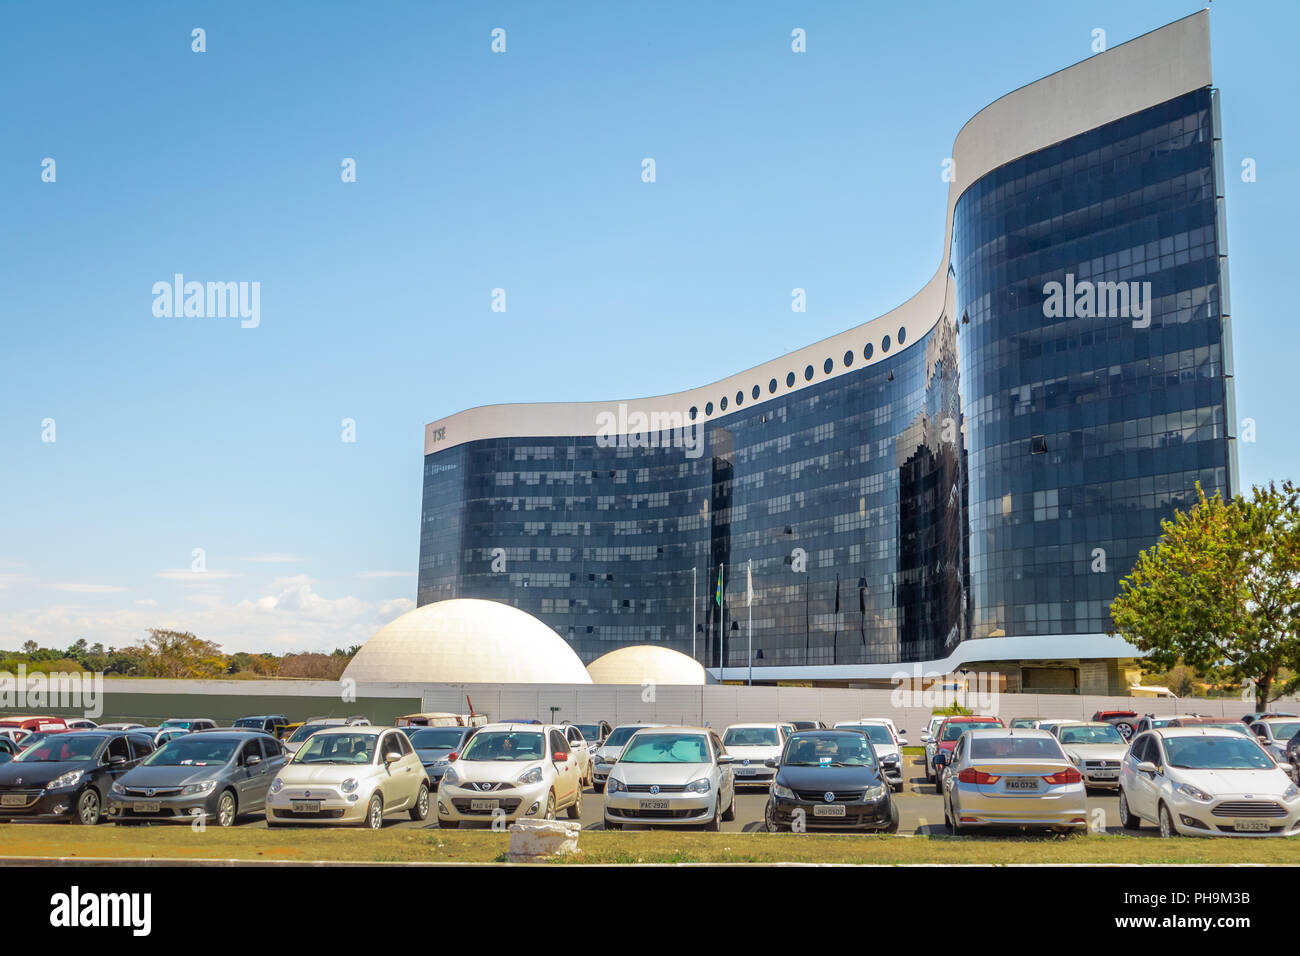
1144,791
566,770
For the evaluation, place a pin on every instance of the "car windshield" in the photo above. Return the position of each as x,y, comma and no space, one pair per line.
506,745
1236,726
1104,734
1216,753
876,733
751,737
667,748
57,748
588,731
953,731
31,740
620,735
337,748
1284,729
842,750
182,724
305,731
1022,722
435,738
192,750
249,722
1014,748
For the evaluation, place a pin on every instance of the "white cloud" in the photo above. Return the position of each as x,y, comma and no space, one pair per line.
79,588
292,617
190,576
13,580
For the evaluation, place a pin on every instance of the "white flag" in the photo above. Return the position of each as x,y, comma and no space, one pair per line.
749,581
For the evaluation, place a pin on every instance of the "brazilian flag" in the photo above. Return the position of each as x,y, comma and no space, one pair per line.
718,596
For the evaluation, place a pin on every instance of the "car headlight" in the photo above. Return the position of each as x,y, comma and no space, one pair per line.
615,786
277,785
1194,792
204,787
874,793
118,789
531,776
698,786
451,777
1291,792
349,785
63,782
785,793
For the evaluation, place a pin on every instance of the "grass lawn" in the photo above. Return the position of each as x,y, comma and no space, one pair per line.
479,846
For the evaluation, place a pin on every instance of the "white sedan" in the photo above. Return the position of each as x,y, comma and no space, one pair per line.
1202,781
671,776
1004,777
752,745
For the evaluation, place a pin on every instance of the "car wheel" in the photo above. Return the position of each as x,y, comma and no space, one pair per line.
374,813
1127,818
954,825
549,812
575,808
88,807
1167,828
448,824
226,809
714,824
769,820
729,814
420,811
938,784
893,818
598,786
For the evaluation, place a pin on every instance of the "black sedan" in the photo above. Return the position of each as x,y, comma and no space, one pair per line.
67,776
829,779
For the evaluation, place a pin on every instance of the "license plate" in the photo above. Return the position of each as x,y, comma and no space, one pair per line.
147,806
484,804
1105,774
1022,783
306,806
746,771
654,804
826,810
1250,826
13,800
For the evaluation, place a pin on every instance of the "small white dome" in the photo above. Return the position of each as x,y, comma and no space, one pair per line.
643,663
467,641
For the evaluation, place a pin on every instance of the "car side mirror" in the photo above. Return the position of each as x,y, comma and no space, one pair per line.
926,738
902,741
117,761
1286,767
559,757
1146,766
453,756
392,757
254,760
770,762
725,759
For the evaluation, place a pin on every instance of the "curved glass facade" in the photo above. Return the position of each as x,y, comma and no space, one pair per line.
995,477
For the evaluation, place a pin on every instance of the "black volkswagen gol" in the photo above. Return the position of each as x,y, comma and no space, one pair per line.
829,779
67,776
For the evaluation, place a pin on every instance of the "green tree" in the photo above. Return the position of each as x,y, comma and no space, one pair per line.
179,654
1220,589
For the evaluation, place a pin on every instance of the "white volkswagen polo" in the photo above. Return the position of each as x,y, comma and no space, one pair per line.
1202,781
671,776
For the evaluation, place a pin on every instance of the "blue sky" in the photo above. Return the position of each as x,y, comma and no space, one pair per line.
476,171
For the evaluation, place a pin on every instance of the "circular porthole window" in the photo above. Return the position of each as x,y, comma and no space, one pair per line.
848,359
693,412
722,405
828,365
808,374
708,408
771,386
866,352
758,391
902,336
789,380
740,399
884,344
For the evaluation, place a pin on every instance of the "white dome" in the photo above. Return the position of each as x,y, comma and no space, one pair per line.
466,641
643,663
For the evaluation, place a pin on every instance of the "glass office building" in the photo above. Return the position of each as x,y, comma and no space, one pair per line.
963,481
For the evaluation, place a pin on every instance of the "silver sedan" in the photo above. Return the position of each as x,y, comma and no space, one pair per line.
1021,778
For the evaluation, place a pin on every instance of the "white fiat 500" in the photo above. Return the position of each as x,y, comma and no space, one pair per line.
1202,781
511,771
671,776
349,775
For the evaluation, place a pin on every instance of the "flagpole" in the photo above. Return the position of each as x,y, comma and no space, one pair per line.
722,604
693,656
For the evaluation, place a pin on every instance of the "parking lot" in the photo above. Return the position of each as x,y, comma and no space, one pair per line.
920,809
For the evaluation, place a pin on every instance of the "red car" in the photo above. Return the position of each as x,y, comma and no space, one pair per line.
945,739
1125,721
31,724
